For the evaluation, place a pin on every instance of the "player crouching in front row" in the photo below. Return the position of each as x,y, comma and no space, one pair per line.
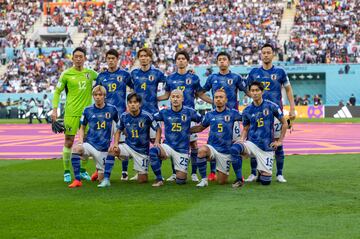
258,134
99,117
136,126
177,121
221,121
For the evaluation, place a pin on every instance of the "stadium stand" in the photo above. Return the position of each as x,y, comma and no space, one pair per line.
206,27
325,32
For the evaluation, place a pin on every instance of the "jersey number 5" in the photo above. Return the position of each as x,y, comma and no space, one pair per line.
220,128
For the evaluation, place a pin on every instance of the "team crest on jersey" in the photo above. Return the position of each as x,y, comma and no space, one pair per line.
119,78
188,81
230,81
266,112
183,117
273,77
151,78
141,124
227,118
107,115
87,76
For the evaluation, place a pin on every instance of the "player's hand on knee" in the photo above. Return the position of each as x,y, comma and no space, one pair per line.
276,144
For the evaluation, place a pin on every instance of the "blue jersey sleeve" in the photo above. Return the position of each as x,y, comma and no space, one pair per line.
167,84
237,115
158,116
207,85
277,112
197,85
128,81
245,118
120,124
84,120
284,79
241,84
116,115
195,116
206,120
162,77
250,77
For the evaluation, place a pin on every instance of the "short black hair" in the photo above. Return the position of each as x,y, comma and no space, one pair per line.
79,49
268,45
258,84
112,52
133,94
223,53
184,53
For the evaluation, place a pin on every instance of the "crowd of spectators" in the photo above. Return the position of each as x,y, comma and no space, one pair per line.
16,18
205,28
29,72
306,100
326,31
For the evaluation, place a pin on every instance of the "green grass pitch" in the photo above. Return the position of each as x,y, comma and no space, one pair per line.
320,200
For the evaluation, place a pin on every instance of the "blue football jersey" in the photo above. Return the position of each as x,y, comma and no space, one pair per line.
100,125
146,85
188,83
115,84
137,130
230,82
272,79
177,127
261,121
221,128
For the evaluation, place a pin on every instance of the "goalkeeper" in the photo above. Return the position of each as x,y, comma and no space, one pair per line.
77,82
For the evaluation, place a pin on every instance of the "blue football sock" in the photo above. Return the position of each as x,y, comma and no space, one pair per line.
279,156
253,165
125,164
155,162
201,164
236,159
75,161
173,167
193,156
213,166
109,164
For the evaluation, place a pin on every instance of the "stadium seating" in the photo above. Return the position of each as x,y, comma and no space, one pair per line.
15,20
325,32
206,27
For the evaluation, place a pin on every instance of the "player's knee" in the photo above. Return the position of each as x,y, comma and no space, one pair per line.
236,149
202,152
180,181
193,145
78,149
265,179
154,153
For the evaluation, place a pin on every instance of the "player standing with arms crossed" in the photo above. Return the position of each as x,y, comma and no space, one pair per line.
77,82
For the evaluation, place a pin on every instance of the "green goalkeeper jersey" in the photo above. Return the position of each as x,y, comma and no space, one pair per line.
78,87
